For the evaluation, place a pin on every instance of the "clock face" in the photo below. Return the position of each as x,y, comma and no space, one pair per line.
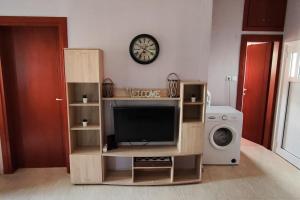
144,49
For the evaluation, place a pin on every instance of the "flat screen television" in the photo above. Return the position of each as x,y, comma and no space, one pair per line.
141,125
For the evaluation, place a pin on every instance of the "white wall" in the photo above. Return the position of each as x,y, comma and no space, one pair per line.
182,28
292,25
225,50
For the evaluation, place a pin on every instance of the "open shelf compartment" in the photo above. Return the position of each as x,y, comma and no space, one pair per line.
153,176
193,113
83,142
77,114
117,170
152,170
187,169
77,90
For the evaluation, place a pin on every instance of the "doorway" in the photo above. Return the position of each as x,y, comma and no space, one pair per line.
33,91
257,85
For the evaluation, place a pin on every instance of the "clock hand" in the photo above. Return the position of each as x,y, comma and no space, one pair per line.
148,51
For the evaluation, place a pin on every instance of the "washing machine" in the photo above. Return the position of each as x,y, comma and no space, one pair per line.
223,130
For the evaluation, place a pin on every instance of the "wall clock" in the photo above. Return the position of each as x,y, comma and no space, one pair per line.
144,49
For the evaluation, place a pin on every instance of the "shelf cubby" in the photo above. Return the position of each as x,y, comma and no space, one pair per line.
117,170
76,90
196,90
85,141
77,114
152,176
187,168
193,113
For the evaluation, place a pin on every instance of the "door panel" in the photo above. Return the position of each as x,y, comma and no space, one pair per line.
287,134
257,69
85,169
258,13
291,138
79,62
31,86
191,137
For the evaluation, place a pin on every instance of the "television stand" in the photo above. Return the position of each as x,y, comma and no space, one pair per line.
90,165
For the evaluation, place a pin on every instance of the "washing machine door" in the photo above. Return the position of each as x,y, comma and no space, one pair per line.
222,137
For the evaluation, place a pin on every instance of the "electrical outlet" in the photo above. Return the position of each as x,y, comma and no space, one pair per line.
228,78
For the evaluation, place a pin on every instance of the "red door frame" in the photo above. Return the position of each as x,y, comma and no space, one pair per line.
273,82
61,24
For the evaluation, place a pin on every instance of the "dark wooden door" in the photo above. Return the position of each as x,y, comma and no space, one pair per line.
276,13
30,64
264,15
257,16
257,71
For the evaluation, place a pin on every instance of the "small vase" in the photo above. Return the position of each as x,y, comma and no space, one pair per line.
193,99
84,100
84,124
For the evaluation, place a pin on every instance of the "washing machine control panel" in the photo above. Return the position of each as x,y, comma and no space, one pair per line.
224,117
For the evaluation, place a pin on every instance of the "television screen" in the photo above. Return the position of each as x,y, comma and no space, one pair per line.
144,124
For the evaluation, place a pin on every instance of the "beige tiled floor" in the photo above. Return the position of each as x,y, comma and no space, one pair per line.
261,175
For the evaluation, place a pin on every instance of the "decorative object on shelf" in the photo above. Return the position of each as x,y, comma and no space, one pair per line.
111,142
104,148
108,87
193,98
84,98
84,122
173,85
144,49
143,93
208,99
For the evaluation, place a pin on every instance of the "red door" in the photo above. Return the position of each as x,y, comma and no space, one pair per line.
257,70
30,64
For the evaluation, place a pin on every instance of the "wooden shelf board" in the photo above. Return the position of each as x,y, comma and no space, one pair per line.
140,99
185,176
87,150
143,151
118,177
88,127
79,104
193,103
157,167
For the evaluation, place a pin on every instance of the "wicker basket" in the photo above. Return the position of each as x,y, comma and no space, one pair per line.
108,88
173,85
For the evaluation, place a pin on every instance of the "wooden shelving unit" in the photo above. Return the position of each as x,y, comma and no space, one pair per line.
84,74
192,117
154,175
90,165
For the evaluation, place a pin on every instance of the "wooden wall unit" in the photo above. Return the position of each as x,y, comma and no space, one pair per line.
90,165
84,75
264,15
192,117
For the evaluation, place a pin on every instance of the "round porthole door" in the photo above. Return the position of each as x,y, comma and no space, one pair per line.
222,137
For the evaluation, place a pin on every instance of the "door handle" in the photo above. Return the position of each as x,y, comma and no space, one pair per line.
58,99
244,91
